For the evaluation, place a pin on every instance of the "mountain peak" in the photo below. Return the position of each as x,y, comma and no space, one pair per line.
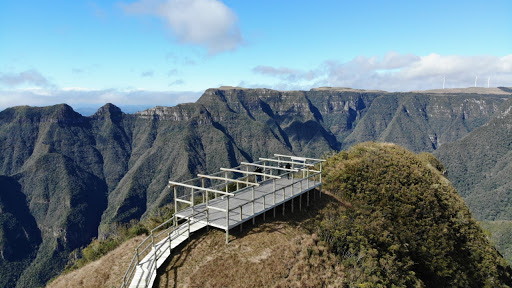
108,110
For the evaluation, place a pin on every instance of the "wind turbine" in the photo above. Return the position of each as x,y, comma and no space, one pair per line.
489,82
476,78
444,79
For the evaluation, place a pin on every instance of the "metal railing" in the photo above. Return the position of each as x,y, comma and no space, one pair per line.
153,243
177,226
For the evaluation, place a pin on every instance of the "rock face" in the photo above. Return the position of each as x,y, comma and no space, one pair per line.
480,166
79,175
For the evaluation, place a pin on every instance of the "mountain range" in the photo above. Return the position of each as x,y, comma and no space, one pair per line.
66,178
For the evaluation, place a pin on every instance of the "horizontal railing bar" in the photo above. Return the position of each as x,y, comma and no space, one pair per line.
184,201
297,158
249,172
228,179
216,208
271,167
200,188
289,162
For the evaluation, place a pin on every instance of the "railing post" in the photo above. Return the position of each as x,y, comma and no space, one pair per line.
263,207
226,181
170,240
207,196
274,189
192,200
227,221
154,248
307,182
207,219
137,253
202,186
320,172
175,202
264,164
188,228
241,228
253,218
292,183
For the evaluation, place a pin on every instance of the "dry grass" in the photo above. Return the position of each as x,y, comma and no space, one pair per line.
105,272
281,252
278,253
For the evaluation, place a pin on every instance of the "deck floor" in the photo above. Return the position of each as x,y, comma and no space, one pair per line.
243,208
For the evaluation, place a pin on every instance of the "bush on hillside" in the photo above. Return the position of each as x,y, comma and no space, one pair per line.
403,224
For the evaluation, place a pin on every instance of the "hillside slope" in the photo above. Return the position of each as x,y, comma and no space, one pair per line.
404,224
105,272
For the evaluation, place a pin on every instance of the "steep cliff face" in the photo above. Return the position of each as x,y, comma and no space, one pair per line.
423,122
480,166
81,174
19,234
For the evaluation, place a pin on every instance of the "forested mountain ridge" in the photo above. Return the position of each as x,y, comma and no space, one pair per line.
79,175
481,166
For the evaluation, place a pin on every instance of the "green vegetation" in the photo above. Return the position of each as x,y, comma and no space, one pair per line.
98,248
403,224
122,232
500,233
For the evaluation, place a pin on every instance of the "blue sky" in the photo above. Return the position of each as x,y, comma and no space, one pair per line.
163,52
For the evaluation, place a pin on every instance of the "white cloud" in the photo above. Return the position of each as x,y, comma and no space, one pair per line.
398,72
28,77
207,23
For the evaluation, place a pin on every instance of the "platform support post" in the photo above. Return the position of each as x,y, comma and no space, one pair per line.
227,220
175,202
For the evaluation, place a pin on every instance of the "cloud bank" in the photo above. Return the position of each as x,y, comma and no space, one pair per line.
80,97
398,72
206,23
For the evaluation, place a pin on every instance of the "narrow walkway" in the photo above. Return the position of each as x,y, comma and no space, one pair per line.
248,203
224,200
